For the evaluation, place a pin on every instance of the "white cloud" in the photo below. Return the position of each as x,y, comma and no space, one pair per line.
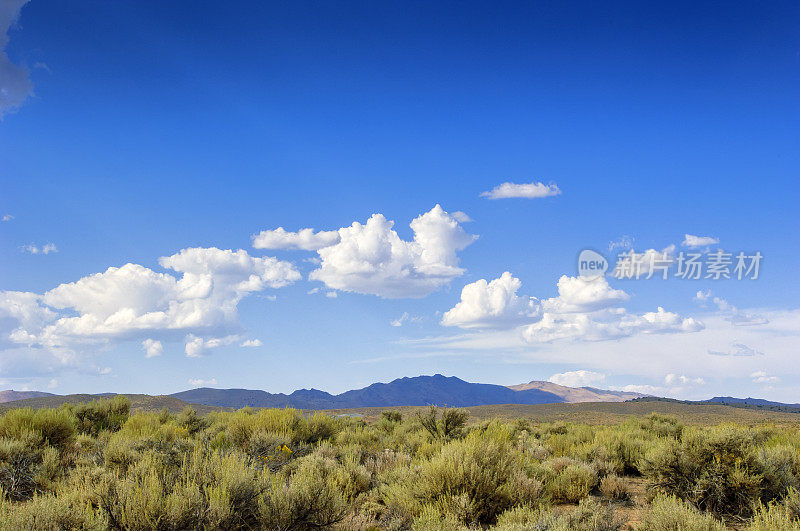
645,358
461,217
650,263
304,239
733,314
400,320
644,389
331,294
152,348
52,384
588,310
44,249
104,371
372,259
492,304
674,379
7,217
577,378
252,343
196,346
578,295
761,377
702,296
608,324
524,190
134,301
199,382
737,349
698,241
15,84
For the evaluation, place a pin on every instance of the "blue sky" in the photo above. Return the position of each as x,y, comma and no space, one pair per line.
132,131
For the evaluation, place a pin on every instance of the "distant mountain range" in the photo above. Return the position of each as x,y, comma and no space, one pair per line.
729,400
417,391
11,395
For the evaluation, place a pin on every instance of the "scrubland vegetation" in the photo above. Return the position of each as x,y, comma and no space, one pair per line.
96,466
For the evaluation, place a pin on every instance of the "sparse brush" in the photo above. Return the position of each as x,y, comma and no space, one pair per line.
615,488
671,514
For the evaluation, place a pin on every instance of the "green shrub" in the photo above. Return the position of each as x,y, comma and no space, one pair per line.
478,473
105,414
615,488
56,427
590,515
449,425
307,500
191,421
778,516
51,513
721,470
668,513
19,459
573,483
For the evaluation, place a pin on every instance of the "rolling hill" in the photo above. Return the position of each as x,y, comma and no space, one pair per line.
574,395
145,403
11,395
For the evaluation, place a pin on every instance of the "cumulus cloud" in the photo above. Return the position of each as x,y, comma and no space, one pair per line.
694,242
304,239
252,343
372,259
152,348
196,346
493,304
7,217
199,382
44,249
577,378
134,301
762,377
15,85
584,310
461,217
607,324
576,294
588,310
523,190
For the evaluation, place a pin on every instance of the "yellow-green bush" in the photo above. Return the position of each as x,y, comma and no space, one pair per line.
671,514
573,483
96,466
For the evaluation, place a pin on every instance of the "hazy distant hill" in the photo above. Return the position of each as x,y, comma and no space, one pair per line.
11,395
743,403
749,401
417,391
578,394
138,402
